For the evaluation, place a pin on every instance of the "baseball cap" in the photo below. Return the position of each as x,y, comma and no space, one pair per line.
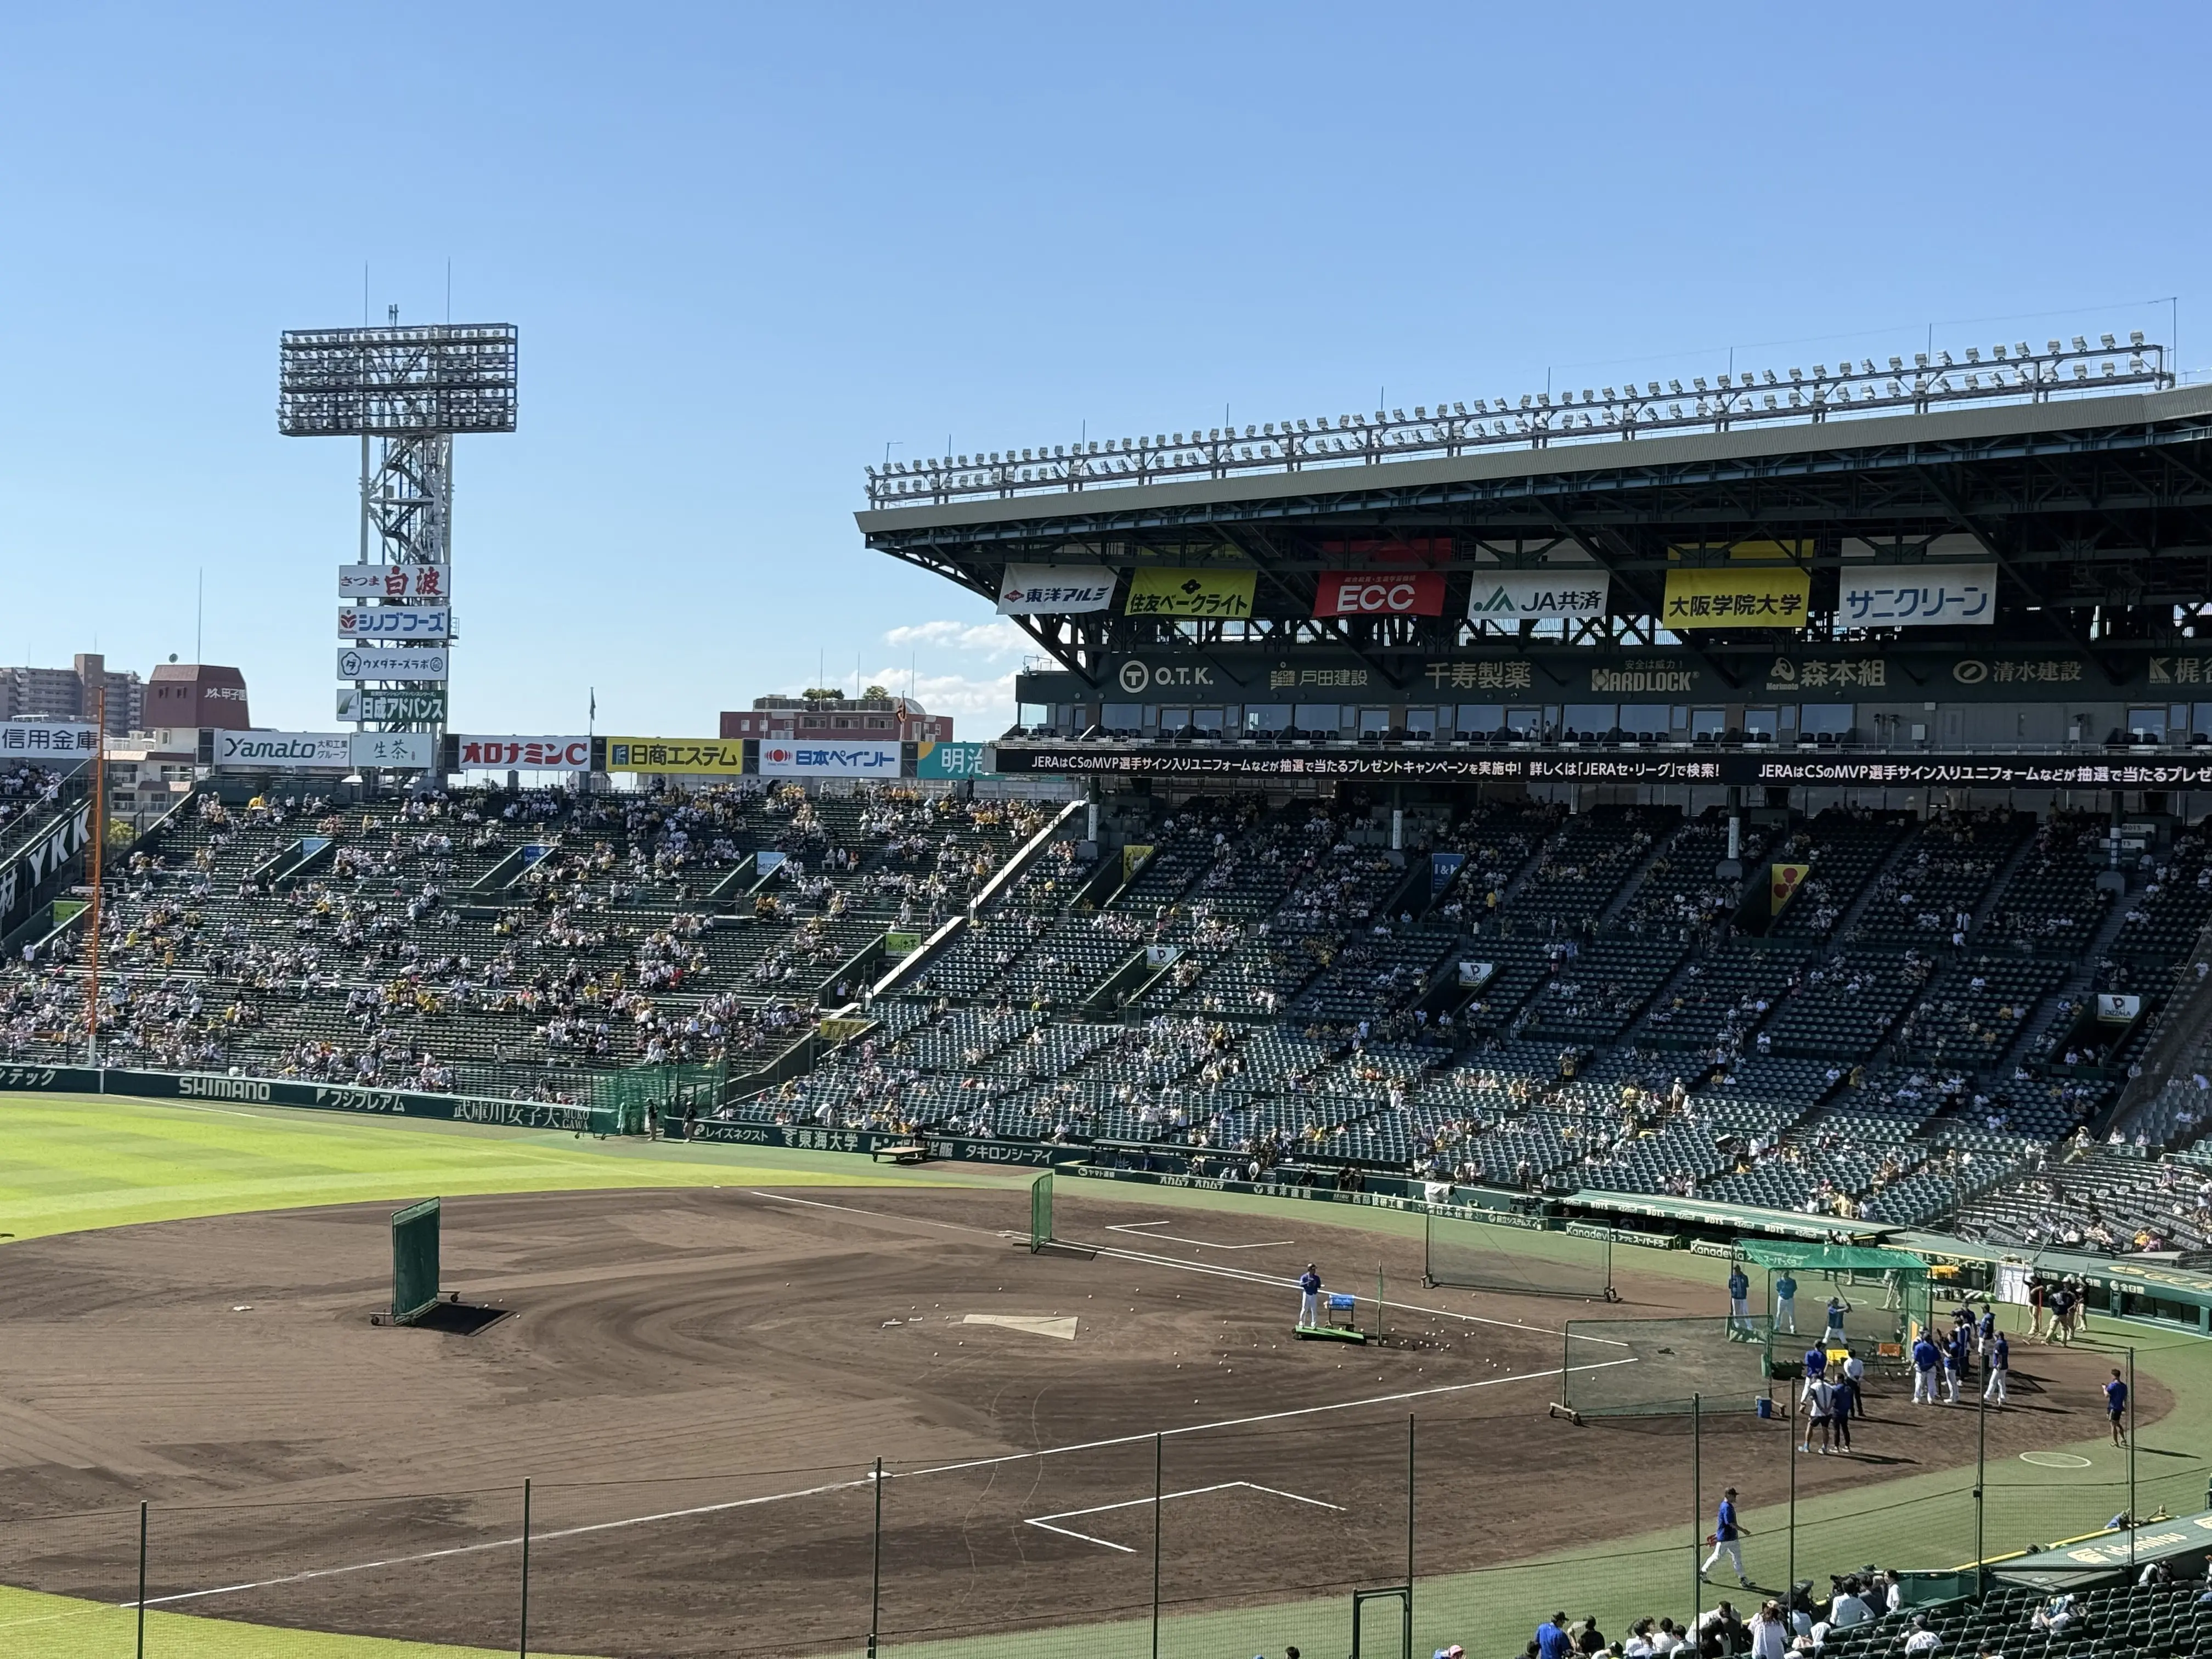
1729,1493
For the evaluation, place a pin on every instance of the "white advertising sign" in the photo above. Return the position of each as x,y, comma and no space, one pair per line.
284,751
525,754
409,751
1572,594
1053,590
783,757
1918,596
392,665
46,739
2114,1009
397,621
395,581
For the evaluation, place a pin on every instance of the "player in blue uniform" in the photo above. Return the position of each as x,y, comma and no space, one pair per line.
2000,1369
1727,1539
1309,1297
2116,1407
1925,1360
1785,1303
1739,1300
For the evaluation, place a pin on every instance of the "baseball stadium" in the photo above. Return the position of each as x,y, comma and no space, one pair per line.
1584,1010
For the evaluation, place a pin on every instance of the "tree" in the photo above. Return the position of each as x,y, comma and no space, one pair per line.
824,693
877,691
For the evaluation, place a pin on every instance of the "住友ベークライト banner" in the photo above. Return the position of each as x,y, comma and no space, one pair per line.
1918,596
1054,590
1736,596
1537,595
1196,593
726,756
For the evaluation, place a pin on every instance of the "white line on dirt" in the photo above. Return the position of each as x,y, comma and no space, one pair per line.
538,1537
1141,1227
1045,1521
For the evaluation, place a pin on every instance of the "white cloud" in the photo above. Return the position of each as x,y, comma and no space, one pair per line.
994,639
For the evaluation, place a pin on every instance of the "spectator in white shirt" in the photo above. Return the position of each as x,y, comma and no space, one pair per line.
1921,1639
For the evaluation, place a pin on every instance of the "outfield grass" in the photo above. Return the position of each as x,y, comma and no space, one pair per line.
69,1163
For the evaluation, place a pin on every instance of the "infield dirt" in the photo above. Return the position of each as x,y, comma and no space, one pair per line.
697,1383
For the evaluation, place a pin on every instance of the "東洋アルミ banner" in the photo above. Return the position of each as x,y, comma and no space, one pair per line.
1537,595
950,760
1380,594
783,757
522,754
46,739
396,622
394,663
724,755
1918,596
1736,596
1157,593
395,581
1054,590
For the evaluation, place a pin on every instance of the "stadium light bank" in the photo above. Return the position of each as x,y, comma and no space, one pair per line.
1851,389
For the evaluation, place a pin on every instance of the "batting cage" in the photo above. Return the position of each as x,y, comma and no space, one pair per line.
1884,1294
1480,1255
1041,1213
1652,1367
413,1261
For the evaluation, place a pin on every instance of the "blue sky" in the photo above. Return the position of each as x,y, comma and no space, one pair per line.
746,248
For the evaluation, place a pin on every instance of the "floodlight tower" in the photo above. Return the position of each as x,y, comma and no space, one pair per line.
405,394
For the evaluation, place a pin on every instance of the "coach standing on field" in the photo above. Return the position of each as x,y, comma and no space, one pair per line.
1309,1297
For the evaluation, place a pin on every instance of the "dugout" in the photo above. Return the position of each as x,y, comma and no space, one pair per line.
1889,1290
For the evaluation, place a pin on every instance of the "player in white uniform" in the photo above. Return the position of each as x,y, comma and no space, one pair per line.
1309,1297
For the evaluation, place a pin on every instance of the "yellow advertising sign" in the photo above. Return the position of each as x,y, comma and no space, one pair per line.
1132,859
1157,593
1735,597
725,755
1781,885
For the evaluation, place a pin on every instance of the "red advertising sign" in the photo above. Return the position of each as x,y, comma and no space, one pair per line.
1380,594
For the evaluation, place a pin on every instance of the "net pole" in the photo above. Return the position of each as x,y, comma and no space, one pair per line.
876,1561
1157,1440
1697,1504
522,1626
142,1578
2134,1519
1789,1449
1981,1475
1408,1639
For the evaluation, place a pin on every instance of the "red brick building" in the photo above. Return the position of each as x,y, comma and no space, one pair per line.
882,718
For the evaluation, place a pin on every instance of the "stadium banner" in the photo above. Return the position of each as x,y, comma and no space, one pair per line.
396,622
1154,591
1442,867
1134,855
1781,881
1537,595
1918,596
407,750
393,707
2115,1008
900,942
68,1080
951,760
1736,596
32,872
1054,590
570,754
1380,594
347,1097
285,752
391,663
722,756
783,757
395,581
47,739
1034,1153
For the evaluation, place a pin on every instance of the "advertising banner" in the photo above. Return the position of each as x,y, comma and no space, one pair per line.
1781,885
1054,590
900,942
525,754
47,740
1380,594
1723,596
784,757
1474,975
2115,1009
1132,858
724,755
392,663
1442,867
1158,592
1918,596
767,862
395,581
23,876
284,751
396,622
407,750
383,707
950,760
1537,595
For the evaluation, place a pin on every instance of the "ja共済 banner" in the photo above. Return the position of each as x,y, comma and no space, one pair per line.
1571,595
1918,596
1736,596
722,755
1054,590
783,757
1380,594
1154,591
396,622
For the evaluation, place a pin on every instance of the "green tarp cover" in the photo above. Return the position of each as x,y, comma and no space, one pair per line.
1832,1258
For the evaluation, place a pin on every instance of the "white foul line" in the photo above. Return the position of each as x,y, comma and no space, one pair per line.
1202,1243
1045,1521
848,1486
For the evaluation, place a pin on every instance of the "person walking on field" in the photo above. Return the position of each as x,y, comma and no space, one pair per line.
2116,1407
1785,1303
1739,1299
1727,1539
1925,1359
1819,1399
1309,1297
2000,1369
1842,1400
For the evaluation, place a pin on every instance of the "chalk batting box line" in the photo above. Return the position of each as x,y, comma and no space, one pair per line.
1046,1520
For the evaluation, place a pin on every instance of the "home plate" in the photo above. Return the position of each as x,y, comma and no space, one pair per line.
1035,1324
